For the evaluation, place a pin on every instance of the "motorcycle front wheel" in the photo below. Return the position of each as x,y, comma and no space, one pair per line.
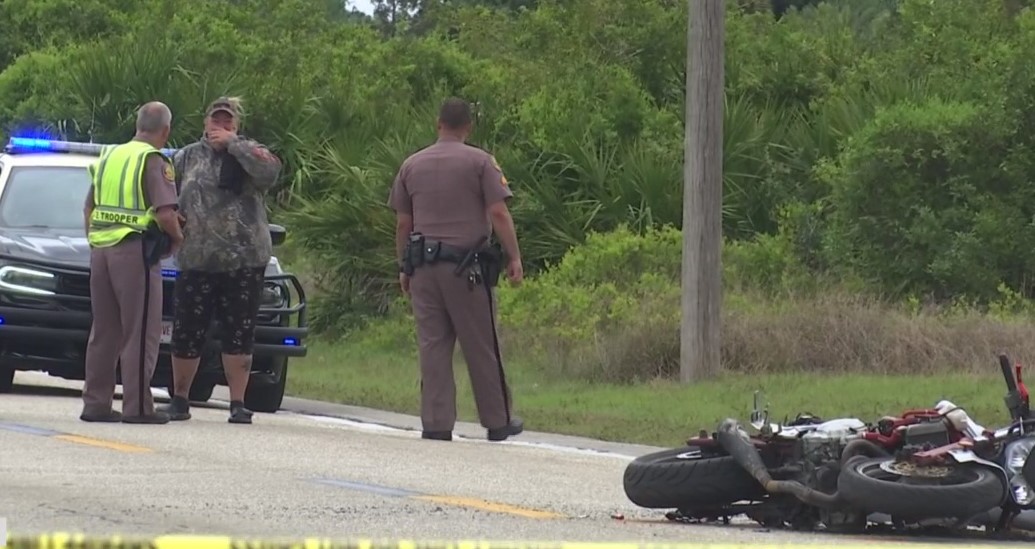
880,485
689,477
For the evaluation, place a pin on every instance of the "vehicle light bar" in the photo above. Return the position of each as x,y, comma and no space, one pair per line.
31,144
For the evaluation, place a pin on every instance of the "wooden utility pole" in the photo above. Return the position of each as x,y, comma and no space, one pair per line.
702,192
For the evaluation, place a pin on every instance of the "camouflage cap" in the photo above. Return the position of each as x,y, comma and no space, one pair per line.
222,104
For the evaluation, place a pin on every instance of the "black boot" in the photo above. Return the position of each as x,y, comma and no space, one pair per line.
111,416
516,427
157,418
437,435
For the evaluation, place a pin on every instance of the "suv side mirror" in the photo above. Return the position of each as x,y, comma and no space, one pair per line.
278,234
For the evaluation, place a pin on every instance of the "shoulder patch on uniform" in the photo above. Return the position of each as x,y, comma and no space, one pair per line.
496,165
168,173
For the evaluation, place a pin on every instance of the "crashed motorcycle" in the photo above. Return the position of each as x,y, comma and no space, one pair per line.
961,480
784,475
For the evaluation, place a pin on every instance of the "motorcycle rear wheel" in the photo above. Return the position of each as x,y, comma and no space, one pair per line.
689,477
974,489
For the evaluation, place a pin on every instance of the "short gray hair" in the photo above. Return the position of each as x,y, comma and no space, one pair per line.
153,117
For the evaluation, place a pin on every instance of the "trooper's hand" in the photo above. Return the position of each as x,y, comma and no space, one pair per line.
515,273
404,282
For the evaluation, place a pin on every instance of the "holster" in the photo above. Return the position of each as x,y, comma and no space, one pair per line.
156,245
490,261
413,254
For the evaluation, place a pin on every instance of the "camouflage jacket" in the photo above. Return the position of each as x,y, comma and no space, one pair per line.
226,227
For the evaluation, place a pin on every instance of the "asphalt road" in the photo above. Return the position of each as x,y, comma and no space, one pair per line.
295,474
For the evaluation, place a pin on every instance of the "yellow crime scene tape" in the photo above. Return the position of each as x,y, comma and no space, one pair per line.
79,541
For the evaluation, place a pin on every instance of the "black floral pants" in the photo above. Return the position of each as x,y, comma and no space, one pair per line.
233,296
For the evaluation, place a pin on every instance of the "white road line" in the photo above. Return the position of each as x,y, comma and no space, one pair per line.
360,425
381,428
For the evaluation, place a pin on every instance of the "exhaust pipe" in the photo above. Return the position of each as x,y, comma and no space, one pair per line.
735,441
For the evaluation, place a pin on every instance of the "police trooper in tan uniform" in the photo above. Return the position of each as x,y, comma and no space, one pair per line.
126,280
449,198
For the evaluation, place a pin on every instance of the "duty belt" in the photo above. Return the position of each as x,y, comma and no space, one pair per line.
438,251
421,251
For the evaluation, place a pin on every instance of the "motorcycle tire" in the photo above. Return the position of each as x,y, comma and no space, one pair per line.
686,478
864,484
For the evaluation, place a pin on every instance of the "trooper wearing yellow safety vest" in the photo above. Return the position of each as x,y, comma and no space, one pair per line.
131,222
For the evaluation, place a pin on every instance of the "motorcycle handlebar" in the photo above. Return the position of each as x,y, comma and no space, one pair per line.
1004,364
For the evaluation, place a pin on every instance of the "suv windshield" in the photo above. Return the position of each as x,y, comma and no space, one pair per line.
45,196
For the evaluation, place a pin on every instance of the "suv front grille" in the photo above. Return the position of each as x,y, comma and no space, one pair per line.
74,284
78,285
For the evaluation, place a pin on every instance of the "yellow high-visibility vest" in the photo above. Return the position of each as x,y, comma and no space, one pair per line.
118,193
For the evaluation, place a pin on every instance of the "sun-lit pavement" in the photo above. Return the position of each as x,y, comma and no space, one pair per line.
295,475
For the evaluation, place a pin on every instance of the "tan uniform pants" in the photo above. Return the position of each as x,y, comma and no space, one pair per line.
447,310
126,328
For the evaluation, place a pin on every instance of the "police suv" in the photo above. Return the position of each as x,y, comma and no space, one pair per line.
45,313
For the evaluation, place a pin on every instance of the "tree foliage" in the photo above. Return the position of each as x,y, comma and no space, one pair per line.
889,140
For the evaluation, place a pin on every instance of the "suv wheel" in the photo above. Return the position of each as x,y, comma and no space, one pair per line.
266,398
6,379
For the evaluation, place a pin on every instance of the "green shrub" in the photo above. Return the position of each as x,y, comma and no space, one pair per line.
934,198
610,308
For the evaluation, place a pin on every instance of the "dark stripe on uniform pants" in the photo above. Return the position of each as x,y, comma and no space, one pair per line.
496,349
143,324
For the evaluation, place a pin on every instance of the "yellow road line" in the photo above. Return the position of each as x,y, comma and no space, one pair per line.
492,507
99,443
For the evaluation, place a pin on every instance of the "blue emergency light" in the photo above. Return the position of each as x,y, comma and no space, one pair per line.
35,145
290,341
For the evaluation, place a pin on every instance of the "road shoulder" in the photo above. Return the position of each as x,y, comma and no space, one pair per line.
394,420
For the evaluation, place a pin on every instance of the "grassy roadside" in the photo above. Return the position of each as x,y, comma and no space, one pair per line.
589,341
659,413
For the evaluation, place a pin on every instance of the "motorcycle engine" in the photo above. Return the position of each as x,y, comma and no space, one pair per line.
827,441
